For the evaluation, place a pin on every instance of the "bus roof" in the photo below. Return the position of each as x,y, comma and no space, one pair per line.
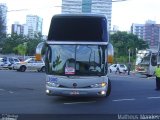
80,15
147,51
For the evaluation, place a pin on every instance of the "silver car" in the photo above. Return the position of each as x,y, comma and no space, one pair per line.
30,64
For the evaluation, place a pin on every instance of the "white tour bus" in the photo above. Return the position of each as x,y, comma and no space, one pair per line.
77,54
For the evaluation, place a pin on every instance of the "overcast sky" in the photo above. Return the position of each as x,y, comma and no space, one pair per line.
123,13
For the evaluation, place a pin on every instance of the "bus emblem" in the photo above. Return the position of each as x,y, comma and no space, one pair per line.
74,84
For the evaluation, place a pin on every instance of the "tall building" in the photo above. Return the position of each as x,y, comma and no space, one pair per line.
152,34
34,24
25,29
3,17
149,32
17,28
103,7
138,29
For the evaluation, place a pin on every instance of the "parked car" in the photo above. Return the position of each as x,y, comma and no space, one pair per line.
13,60
30,64
1,62
6,62
121,68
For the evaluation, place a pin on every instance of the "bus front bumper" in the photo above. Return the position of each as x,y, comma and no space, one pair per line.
86,92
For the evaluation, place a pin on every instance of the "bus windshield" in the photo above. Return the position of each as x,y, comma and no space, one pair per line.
68,60
146,58
143,58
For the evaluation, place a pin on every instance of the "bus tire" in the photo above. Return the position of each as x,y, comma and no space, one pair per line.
109,88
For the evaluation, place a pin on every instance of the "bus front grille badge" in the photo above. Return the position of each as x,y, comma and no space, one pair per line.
74,85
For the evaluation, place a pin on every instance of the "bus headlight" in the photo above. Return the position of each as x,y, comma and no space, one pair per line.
99,85
50,84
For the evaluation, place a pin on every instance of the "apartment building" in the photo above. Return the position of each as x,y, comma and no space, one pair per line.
34,24
149,32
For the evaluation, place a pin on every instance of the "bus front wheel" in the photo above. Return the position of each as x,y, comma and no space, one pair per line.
109,88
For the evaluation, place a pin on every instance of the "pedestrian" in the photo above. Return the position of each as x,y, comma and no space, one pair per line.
117,69
129,68
157,73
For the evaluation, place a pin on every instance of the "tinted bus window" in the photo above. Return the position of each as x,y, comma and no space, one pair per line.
78,29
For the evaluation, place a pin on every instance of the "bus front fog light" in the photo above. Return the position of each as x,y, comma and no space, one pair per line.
47,91
103,92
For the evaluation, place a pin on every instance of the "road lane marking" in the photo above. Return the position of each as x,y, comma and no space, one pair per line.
11,92
6,91
2,90
153,97
79,102
118,100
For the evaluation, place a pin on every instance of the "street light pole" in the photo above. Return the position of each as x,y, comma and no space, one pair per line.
129,54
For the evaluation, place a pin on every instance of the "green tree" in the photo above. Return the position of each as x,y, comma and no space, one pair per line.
15,44
123,42
32,43
11,42
21,49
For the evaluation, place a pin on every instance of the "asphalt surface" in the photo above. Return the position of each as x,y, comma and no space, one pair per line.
24,93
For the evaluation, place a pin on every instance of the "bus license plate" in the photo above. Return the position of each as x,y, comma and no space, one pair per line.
74,93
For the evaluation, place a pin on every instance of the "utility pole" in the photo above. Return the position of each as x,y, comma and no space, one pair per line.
129,52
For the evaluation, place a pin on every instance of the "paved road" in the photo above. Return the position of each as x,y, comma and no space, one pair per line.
24,93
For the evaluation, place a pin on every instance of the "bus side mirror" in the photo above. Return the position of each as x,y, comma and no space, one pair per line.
38,55
110,53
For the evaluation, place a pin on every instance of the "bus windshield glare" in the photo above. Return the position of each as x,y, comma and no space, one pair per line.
143,58
68,60
146,58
